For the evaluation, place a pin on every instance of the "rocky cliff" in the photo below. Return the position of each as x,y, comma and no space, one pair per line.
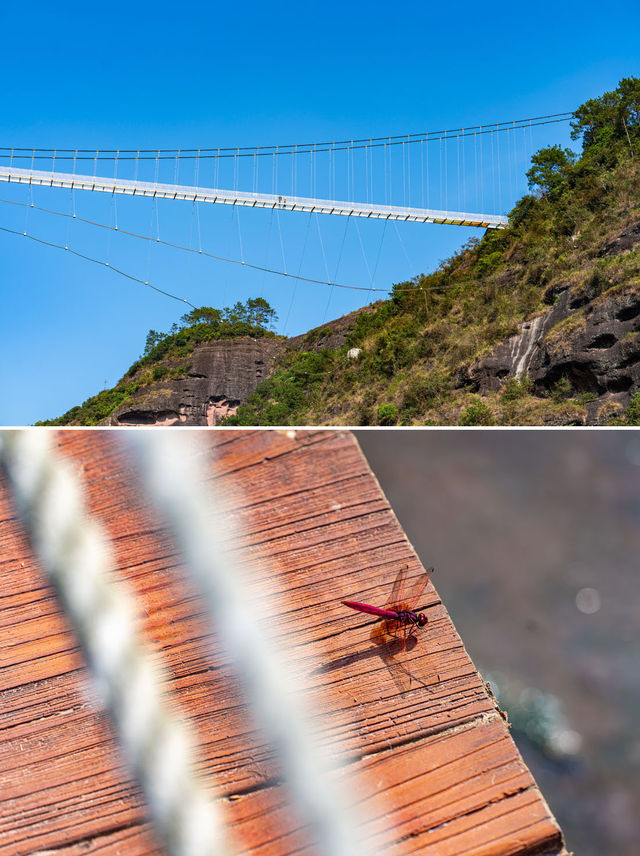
219,377
591,340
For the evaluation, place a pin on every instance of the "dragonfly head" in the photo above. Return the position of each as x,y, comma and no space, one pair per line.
422,619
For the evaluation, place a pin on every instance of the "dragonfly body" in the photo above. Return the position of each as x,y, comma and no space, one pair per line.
401,615
395,632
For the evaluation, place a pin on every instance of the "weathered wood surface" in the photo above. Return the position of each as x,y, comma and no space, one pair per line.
435,765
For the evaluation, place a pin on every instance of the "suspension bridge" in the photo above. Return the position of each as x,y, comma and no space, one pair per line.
460,177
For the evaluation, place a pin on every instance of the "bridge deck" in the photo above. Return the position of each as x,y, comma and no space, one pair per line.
248,199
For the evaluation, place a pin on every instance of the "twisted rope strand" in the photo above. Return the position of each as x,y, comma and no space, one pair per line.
76,556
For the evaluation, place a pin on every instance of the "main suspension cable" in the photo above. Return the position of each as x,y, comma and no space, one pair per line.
30,152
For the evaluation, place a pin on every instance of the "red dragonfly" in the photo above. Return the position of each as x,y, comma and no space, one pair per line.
399,616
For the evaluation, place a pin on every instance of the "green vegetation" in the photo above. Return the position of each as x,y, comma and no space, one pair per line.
632,415
293,387
418,345
561,389
550,170
97,407
317,335
517,387
387,414
165,355
477,413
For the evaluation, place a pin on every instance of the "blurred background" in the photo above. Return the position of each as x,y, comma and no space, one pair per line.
535,538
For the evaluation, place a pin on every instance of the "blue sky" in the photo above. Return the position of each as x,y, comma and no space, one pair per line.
161,75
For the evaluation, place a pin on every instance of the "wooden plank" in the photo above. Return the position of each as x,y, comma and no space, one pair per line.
462,789
434,764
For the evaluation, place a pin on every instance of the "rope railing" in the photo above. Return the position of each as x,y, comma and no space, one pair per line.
171,244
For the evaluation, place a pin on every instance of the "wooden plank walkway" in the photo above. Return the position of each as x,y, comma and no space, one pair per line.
436,766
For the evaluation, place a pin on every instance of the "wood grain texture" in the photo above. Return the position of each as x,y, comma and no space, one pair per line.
434,766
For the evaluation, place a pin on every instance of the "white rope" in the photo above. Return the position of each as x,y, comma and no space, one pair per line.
481,172
75,554
409,172
364,256
499,158
324,255
295,282
464,172
174,478
428,184
87,258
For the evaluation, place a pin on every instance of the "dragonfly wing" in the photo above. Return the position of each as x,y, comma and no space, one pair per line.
395,638
415,588
400,674
398,590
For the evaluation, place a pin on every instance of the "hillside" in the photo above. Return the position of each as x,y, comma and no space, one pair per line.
536,324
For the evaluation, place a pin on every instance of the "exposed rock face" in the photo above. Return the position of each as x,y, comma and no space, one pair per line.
596,346
518,354
624,242
509,358
222,376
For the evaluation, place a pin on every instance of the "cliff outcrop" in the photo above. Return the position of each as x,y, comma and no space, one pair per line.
222,374
219,376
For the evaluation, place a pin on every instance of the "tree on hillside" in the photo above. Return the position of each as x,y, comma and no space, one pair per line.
260,312
153,337
202,315
255,311
549,170
611,117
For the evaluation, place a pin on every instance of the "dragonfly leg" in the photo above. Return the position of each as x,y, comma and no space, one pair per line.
406,632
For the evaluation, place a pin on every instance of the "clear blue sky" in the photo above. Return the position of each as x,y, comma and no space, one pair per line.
162,75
